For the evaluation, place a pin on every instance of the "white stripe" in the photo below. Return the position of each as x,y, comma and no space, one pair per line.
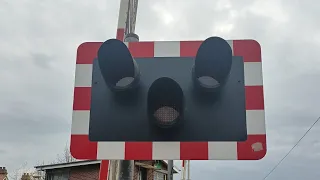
80,122
167,49
172,48
253,73
256,122
123,13
222,150
83,76
166,150
110,150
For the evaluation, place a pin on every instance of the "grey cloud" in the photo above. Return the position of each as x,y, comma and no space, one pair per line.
36,101
37,53
42,60
291,95
25,126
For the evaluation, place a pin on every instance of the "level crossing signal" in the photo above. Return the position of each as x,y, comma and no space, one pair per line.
176,100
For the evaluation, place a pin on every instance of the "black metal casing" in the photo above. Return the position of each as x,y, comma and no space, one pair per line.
223,120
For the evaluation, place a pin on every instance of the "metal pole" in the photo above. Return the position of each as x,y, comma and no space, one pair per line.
113,169
126,25
184,170
170,169
188,170
126,169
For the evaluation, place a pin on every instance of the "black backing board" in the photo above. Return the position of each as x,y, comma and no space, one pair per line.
224,120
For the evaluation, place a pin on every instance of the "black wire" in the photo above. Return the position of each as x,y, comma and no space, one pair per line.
291,149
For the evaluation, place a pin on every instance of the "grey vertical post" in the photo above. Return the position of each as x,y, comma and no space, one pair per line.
188,170
126,170
170,170
126,167
112,170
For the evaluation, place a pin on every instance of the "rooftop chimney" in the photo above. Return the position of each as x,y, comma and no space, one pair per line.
3,170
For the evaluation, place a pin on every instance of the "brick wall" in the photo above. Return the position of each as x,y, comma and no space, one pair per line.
150,172
90,172
136,173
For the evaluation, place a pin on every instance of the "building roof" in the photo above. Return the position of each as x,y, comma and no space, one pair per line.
82,163
66,165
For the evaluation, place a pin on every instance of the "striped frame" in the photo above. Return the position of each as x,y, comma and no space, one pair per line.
252,149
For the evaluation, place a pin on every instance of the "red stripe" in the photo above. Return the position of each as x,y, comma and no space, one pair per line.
141,49
87,52
120,34
104,167
194,151
82,148
245,150
138,150
82,98
189,48
254,97
250,50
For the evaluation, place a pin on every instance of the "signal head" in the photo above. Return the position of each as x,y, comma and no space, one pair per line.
212,64
165,102
119,70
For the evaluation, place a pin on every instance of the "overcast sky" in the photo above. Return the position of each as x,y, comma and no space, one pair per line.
38,43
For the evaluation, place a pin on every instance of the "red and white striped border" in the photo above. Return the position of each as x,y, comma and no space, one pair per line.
82,148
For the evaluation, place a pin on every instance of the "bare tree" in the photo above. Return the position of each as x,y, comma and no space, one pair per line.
65,156
39,175
17,173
